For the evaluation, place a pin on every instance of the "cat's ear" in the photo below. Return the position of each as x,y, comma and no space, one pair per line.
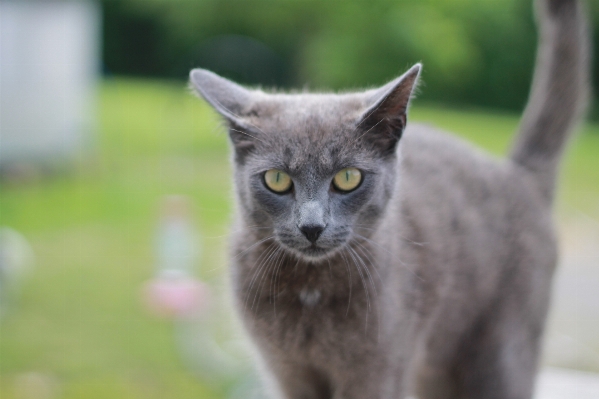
231,101
385,117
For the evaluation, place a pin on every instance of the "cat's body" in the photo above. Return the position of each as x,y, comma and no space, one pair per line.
455,252
430,277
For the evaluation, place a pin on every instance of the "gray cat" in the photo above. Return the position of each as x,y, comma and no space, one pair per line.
377,260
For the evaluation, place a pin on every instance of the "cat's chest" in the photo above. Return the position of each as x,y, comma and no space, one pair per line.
311,322
307,309
297,305
309,297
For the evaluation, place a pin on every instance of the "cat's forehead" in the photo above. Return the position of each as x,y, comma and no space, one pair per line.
306,115
318,141
309,131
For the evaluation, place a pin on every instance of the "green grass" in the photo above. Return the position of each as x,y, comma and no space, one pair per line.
78,319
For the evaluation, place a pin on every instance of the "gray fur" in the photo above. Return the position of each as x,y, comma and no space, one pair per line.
559,92
431,278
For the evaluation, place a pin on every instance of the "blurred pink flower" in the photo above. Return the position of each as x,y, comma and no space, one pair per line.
174,295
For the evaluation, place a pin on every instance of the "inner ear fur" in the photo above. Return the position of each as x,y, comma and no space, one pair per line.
243,139
385,118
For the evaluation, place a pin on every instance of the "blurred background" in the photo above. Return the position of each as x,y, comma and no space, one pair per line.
115,186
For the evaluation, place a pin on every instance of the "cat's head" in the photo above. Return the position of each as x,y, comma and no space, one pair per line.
315,170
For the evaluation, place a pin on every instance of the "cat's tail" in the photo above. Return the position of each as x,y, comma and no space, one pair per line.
560,90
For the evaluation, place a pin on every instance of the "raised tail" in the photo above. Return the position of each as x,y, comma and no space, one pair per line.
560,90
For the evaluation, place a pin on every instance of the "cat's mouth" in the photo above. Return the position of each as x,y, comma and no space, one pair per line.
315,252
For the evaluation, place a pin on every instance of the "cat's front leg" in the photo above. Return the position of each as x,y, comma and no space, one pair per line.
372,383
290,380
365,379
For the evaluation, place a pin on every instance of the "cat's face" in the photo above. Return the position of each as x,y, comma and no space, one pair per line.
312,181
313,170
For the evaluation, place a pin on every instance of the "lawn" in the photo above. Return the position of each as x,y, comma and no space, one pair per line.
78,323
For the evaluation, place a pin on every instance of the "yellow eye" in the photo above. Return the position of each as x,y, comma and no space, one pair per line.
277,181
347,179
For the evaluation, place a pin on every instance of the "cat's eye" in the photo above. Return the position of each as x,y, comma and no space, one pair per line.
347,179
278,181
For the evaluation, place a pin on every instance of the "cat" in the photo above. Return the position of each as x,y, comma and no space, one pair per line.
372,259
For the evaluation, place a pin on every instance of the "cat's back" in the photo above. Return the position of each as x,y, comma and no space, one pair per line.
450,168
467,206
455,169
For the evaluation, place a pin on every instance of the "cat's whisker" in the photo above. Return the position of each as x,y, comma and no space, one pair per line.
257,268
391,254
366,290
366,118
420,244
258,278
277,285
376,293
370,257
271,289
349,280
273,277
362,278
360,272
364,227
295,266
366,269
369,276
371,241
330,268
264,256
252,246
247,134
402,237
366,132
265,269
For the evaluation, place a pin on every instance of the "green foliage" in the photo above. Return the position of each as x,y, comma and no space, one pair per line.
474,52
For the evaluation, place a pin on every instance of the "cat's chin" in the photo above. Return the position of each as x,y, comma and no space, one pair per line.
317,253
313,253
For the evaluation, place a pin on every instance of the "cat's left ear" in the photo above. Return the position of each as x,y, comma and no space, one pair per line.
385,117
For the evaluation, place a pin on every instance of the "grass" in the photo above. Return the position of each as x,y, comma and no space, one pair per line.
78,322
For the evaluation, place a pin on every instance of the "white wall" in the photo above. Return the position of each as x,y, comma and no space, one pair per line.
49,63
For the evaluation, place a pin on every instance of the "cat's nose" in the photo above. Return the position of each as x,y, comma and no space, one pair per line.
312,231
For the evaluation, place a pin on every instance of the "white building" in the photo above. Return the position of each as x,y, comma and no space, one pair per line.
49,64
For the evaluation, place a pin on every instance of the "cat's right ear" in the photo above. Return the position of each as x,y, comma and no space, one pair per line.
231,101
